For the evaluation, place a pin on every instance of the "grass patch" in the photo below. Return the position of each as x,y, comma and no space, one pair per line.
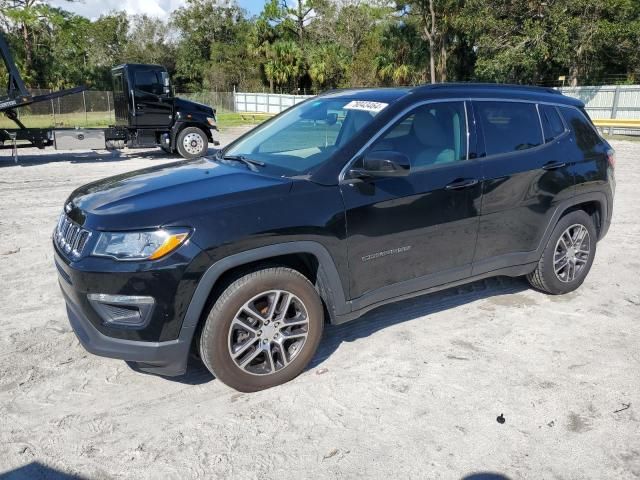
630,138
65,120
230,119
102,119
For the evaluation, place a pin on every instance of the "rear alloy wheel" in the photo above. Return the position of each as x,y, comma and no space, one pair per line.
263,330
192,143
572,252
568,256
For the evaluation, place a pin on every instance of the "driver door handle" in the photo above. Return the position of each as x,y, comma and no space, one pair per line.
460,184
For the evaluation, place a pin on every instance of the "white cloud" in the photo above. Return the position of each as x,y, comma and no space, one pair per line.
94,8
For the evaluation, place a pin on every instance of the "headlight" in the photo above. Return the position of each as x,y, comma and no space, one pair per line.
139,245
212,121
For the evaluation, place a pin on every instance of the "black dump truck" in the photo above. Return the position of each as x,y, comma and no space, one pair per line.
146,115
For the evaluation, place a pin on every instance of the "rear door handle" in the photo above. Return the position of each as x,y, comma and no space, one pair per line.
554,165
460,184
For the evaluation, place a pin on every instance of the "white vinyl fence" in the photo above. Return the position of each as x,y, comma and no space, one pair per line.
265,102
609,102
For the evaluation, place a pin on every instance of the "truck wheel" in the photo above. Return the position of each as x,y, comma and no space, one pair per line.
263,330
568,256
192,142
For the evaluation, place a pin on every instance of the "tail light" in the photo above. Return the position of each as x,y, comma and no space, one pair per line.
611,158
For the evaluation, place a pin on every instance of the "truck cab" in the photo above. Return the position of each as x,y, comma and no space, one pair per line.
147,113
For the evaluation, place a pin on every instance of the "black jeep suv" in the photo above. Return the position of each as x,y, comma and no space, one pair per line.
340,204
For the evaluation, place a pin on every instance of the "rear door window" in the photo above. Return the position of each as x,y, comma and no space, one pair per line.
509,126
551,122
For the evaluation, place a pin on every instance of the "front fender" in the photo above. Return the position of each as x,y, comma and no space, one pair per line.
329,283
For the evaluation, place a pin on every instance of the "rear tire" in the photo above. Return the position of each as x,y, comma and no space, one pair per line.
263,330
192,142
167,150
568,256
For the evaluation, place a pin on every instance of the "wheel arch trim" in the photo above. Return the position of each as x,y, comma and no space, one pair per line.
329,282
599,197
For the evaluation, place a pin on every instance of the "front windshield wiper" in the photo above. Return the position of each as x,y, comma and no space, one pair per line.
247,161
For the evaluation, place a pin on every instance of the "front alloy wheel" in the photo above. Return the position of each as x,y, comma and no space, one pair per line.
263,329
268,332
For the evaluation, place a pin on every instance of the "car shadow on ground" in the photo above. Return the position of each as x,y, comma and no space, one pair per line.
384,317
99,156
38,470
34,470
405,310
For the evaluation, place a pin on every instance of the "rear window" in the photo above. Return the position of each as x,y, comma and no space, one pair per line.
582,128
552,125
509,126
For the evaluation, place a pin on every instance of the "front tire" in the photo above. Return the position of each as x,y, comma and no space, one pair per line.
192,142
167,150
568,256
263,330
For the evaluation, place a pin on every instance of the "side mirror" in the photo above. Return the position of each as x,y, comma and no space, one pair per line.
384,163
166,83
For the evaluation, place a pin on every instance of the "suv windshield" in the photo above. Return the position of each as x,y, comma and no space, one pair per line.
307,134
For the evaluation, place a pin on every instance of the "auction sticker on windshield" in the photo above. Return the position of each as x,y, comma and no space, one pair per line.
365,106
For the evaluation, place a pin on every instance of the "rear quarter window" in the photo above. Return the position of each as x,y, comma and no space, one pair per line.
552,125
586,136
509,126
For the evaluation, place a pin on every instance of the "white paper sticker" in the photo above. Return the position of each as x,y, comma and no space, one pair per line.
365,106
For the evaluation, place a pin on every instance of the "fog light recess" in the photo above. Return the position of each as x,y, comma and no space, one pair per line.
124,311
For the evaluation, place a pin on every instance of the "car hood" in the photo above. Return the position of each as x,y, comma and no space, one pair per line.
190,106
167,194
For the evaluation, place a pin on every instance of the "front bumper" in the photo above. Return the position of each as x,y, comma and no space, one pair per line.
159,356
162,358
215,136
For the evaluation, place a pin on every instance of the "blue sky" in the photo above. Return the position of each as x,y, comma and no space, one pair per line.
158,8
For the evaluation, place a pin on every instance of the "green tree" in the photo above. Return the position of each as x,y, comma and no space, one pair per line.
284,65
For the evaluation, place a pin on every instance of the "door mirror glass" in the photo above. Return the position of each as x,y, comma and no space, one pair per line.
381,164
166,83
165,79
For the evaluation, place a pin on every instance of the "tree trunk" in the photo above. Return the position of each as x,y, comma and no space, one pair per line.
300,23
28,48
432,61
443,61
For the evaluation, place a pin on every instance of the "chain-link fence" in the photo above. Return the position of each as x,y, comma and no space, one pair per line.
221,101
86,109
94,108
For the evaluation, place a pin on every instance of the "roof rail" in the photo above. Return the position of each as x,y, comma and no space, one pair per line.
489,86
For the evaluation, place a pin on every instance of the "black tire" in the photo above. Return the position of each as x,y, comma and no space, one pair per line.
167,150
192,142
544,277
219,338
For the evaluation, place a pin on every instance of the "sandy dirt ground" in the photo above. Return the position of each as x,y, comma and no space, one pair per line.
411,390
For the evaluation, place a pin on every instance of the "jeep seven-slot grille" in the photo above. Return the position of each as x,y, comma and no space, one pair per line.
70,237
